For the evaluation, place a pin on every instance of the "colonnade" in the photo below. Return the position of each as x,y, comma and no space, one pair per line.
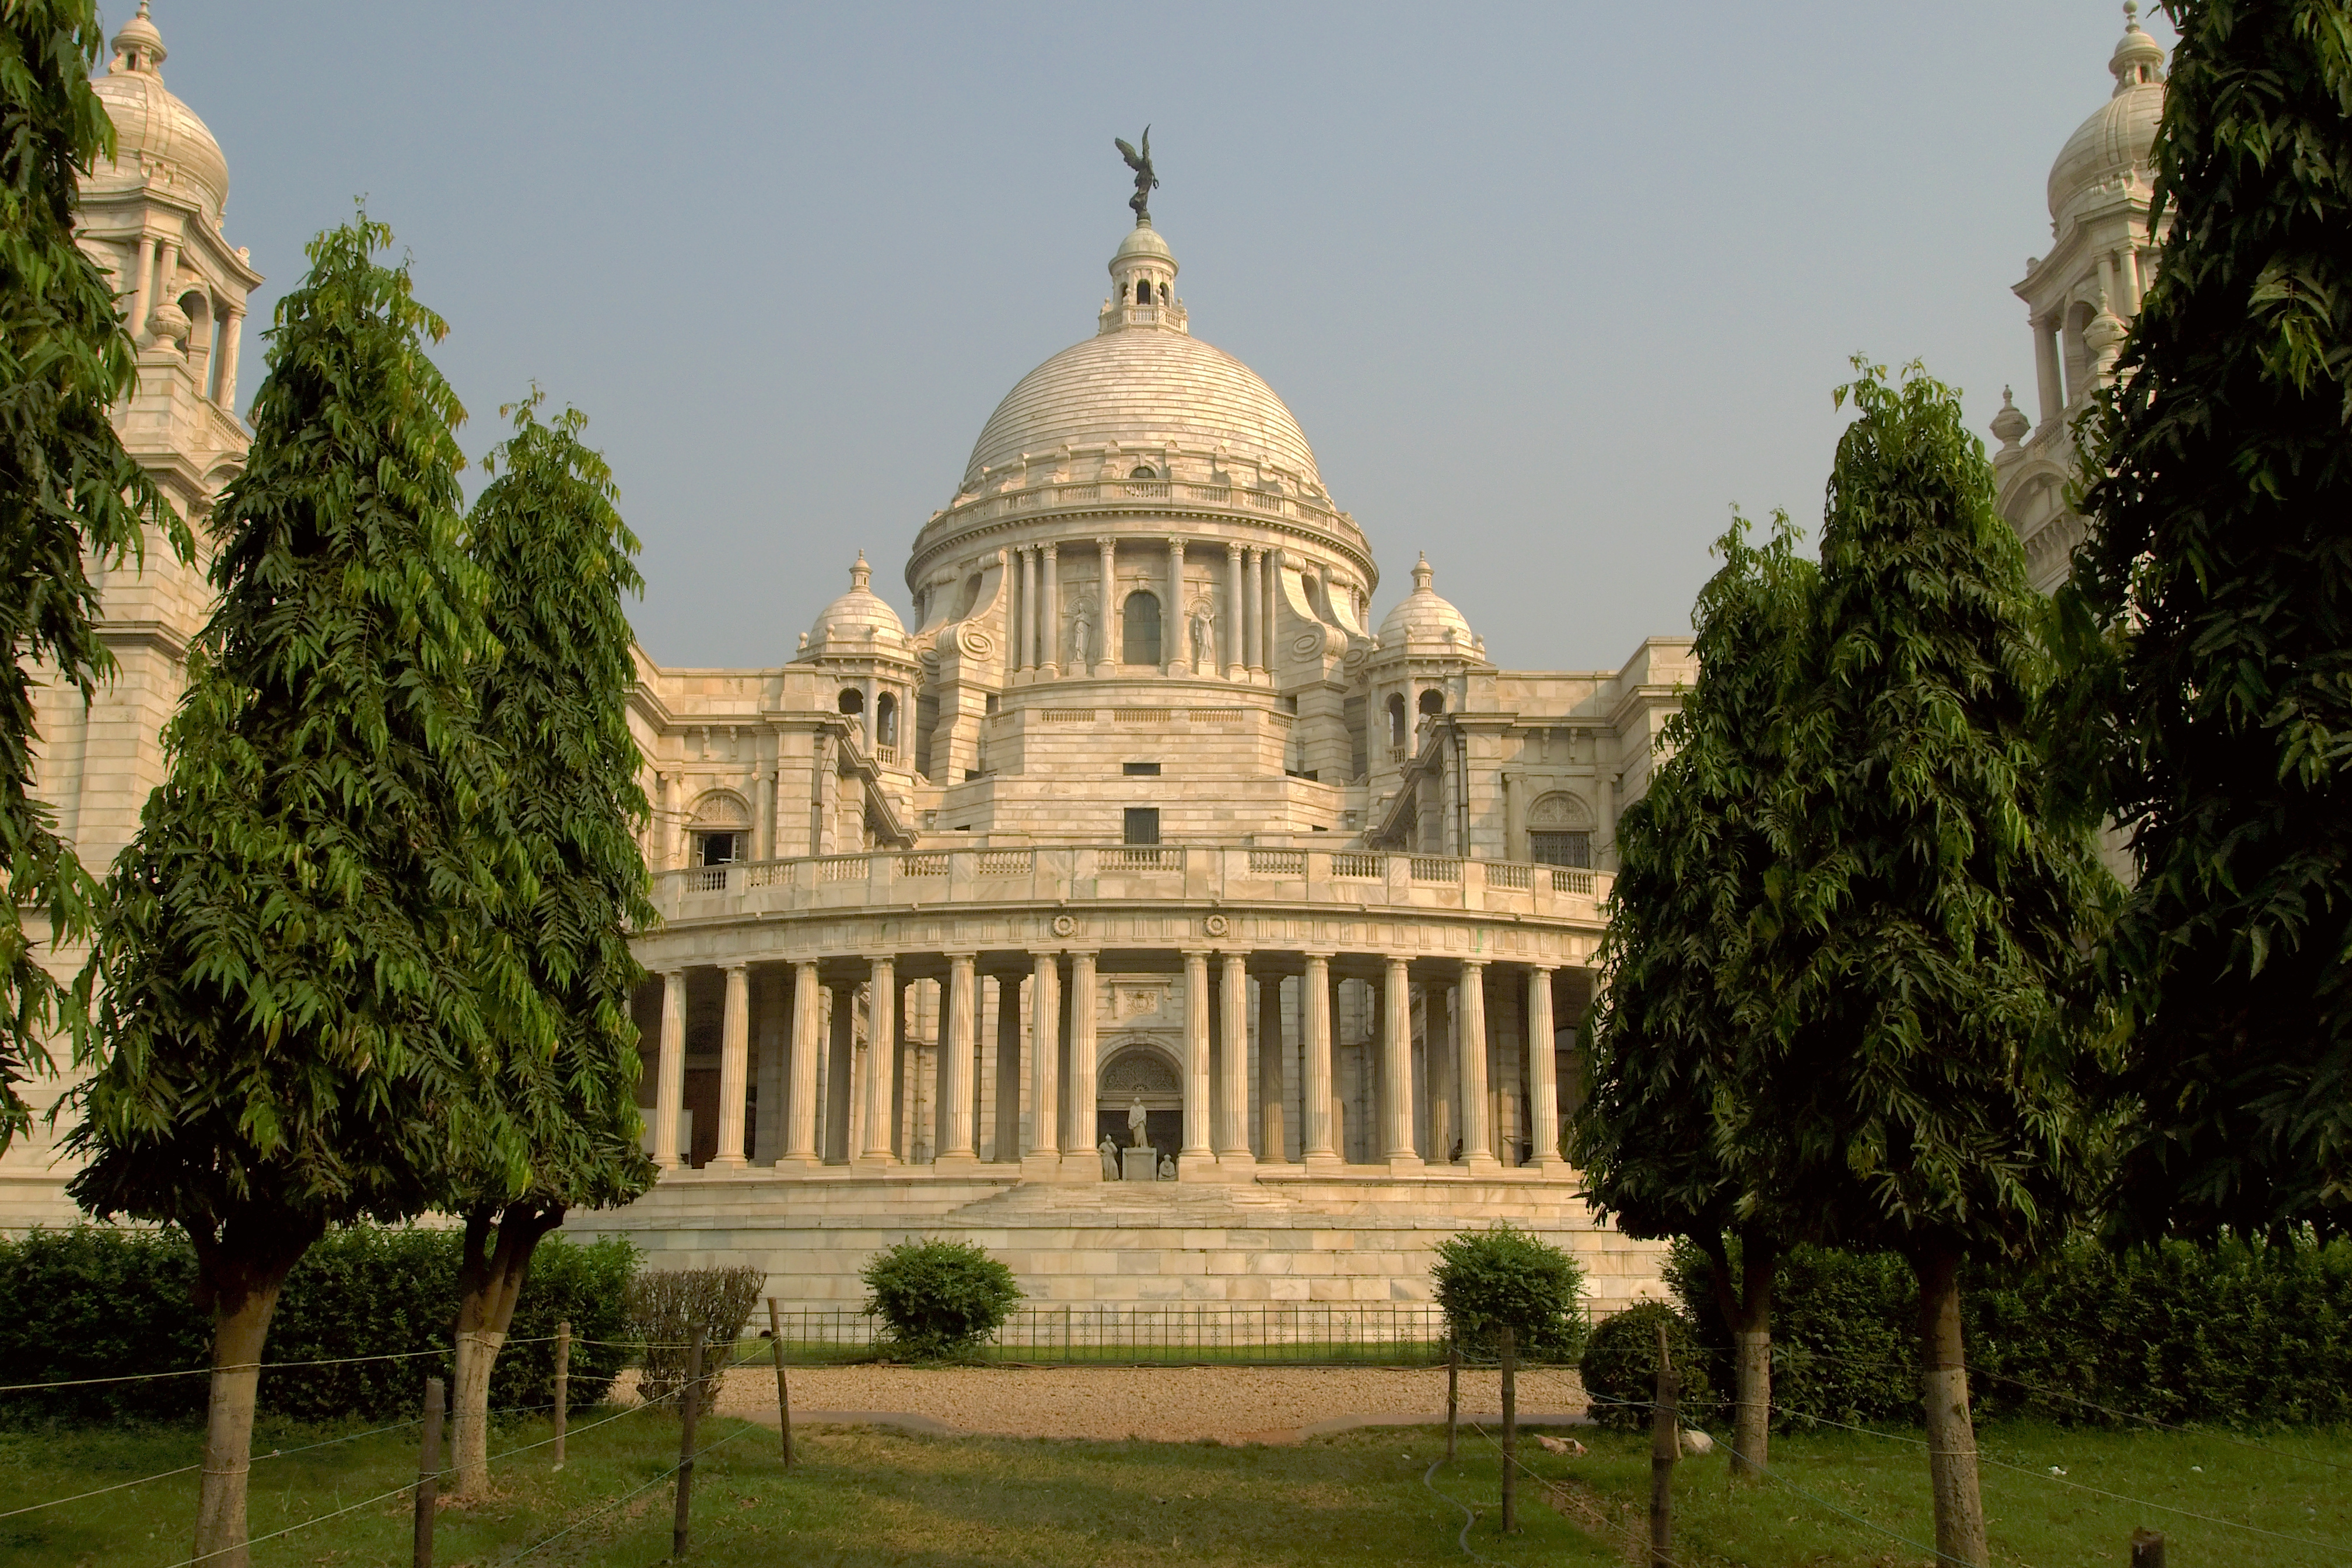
158,268
1244,616
1442,1110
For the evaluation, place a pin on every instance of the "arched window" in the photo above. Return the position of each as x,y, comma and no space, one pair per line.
852,701
1432,700
1396,718
1143,291
1144,471
886,720
1139,620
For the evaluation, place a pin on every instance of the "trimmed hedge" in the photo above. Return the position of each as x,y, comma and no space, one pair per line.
938,1298
97,1301
2242,1333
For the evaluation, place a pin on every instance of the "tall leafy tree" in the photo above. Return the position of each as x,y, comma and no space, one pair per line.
556,558
1936,1026
293,1012
1665,1136
70,494
2209,634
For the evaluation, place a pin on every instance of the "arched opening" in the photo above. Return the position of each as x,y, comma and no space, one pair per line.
1559,830
1396,718
1140,629
1139,1074
852,701
720,830
1431,702
886,720
1144,471
1143,291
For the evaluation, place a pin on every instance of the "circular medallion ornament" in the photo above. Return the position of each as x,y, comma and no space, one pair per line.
1216,925
1066,925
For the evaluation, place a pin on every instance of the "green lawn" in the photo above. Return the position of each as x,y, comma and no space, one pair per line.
878,1498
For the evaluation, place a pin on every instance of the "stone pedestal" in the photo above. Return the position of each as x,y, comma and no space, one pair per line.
1139,1165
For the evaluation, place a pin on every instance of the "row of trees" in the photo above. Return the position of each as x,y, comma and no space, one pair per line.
366,958
1867,984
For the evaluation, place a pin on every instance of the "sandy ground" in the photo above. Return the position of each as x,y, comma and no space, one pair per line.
1234,1405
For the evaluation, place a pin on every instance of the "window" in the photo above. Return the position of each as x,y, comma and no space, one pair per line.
1560,849
717,849
886,720
1144,471
1432,701
1143,291
852,701
1142,824
1139,770
1396,718
1140,629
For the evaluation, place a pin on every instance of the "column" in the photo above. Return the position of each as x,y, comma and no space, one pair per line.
1232,1087
2111,291
903,1062
1081,1002
1175,632
1273,1137
766,1134
2134,290
669,1092
1477,1124
1108,635
142,290
1270,584
232,330
1008,1069
1236,610
955,1063
1543,1074
841,1070
1396,1067
1049,613
1043,1157
1254,621
800,1137
2052,387
1025,611
734,1063
1317,1146
1196,1151
881,1046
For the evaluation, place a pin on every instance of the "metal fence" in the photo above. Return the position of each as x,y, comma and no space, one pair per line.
1143,1333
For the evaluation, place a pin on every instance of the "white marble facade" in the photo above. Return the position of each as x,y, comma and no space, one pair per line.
1137,804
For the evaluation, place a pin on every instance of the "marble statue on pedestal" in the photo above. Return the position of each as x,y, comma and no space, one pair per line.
1109,1152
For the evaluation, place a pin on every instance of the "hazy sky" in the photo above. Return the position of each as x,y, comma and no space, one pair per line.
1550,287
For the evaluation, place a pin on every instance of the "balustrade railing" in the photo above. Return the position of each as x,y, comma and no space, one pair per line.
1033,498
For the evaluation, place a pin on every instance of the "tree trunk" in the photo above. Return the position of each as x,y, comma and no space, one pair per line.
490,1282
239,1280
1748,1314
1951,1436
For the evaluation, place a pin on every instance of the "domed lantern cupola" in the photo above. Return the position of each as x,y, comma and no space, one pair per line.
1143,285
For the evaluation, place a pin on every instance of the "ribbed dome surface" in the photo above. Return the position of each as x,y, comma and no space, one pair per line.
158,140
1138,386
2119,137
860,615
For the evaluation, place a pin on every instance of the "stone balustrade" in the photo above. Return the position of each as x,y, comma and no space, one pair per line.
1153,496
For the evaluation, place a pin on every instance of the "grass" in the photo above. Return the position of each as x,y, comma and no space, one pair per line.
879,1498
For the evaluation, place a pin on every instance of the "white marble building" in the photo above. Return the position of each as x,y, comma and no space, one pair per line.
1139,804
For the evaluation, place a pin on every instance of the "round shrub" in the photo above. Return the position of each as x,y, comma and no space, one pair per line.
1490,1280
1621,1366
938,1298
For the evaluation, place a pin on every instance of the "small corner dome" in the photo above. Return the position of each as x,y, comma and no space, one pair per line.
859,616
1422,617
158,140
2119,138
1143,242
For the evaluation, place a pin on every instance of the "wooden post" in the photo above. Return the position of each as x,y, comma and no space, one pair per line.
783,1396
428,1472
690,1406
2147,1549
1665,1447
562,1383
1510,1432
1452,1390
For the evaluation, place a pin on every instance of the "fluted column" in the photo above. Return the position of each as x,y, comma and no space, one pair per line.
956,1046
1196,1151
1317,1145
669,1092
1270,595
1543,1073
1110,633
734,1065
1477,1118
1007,1149
2049,368
1049,613
800,1103
1273,1140
143,293
1396,1067
1043,1157
881,1043
1254,619
1080,1160
1236,610
841,1076
1175,625
1232,1081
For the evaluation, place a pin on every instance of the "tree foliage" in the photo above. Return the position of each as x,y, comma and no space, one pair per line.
938,1298
2209,634
1505,1277
70,494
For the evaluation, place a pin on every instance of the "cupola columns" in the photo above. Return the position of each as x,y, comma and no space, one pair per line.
1236,601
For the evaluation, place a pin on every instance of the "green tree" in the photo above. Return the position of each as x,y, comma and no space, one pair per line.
1505,1277
1936,1026
70,494
556,558
292,1017
2208,635
1665,1136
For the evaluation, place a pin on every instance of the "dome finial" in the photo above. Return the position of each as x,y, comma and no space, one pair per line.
139,47
2139,59
1422,573
861,573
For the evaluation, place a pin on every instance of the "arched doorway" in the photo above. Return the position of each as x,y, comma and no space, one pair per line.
1140,1070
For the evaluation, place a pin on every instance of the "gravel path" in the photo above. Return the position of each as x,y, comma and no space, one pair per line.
1175,1405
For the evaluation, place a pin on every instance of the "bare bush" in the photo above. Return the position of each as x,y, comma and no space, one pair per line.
667,1306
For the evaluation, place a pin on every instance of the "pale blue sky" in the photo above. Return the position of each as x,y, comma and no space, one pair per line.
1550,287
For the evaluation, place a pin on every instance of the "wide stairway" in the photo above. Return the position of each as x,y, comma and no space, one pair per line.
1196,1204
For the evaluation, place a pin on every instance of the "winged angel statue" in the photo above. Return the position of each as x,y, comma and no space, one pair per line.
1144,178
